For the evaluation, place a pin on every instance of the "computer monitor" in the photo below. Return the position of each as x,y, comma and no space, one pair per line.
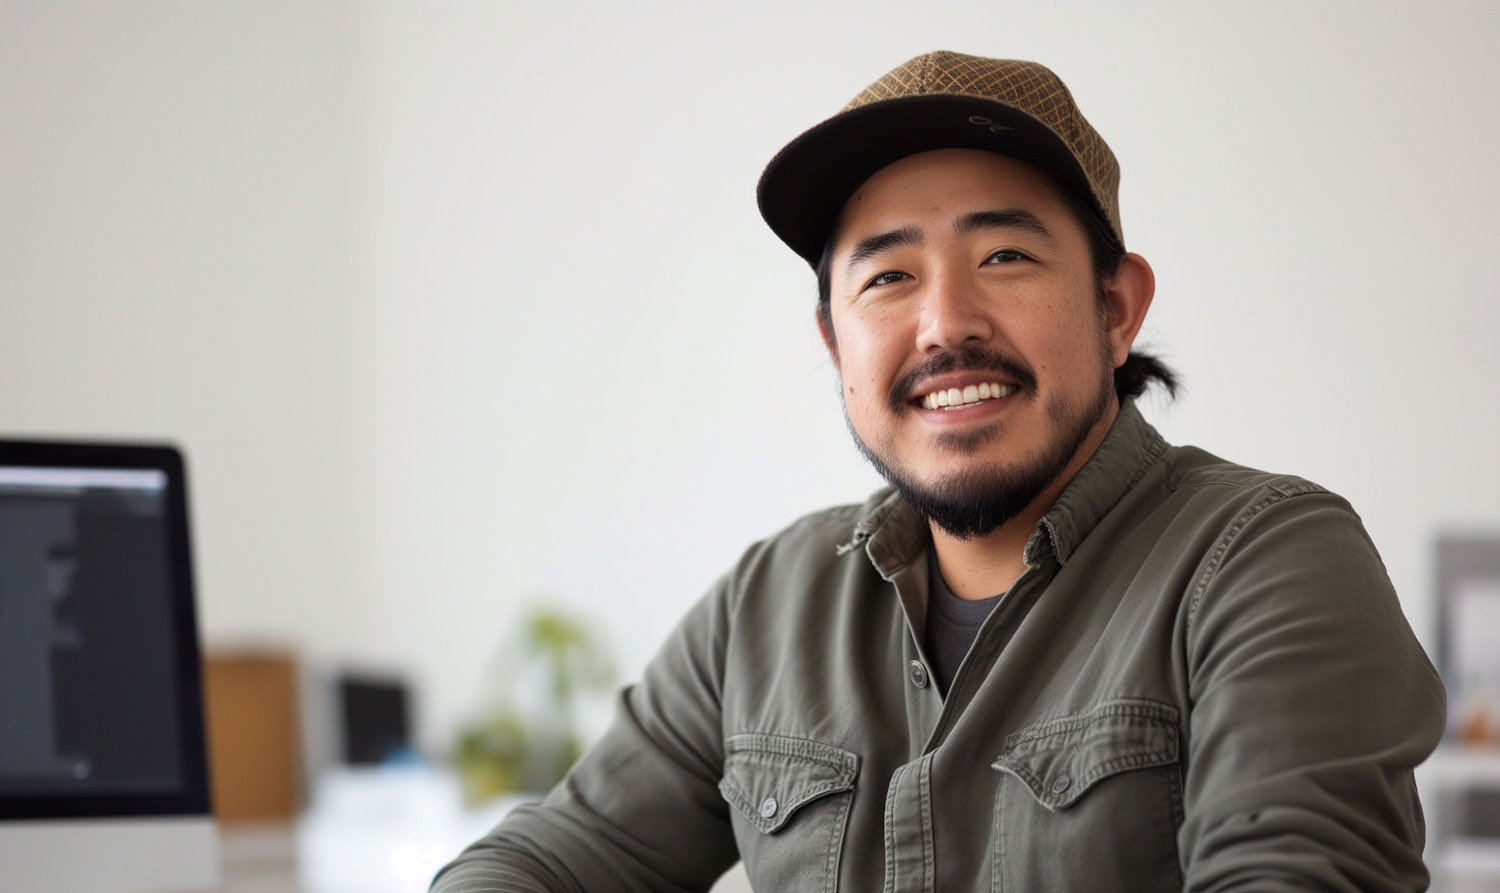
373,719
103,764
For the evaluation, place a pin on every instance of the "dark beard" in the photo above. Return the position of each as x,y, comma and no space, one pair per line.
973,502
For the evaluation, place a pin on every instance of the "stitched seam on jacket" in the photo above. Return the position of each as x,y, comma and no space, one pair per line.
1216,557
789,746
1131,709
835,846
924,787
1117,714
845,764
890,830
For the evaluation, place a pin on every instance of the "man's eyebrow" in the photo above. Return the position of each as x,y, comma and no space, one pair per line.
1007,218
867,248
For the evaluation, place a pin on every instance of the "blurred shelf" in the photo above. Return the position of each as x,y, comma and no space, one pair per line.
1463,838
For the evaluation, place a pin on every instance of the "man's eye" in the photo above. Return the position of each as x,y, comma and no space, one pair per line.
1005,256
888,278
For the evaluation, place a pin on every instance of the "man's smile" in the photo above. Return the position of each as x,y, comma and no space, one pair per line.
962,398
960,378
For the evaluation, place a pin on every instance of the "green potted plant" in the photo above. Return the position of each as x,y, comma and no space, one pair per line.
528,736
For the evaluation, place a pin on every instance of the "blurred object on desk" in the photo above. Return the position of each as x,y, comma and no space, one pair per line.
254,739
387,829
374,719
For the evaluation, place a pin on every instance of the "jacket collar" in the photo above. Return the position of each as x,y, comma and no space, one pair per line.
1131,447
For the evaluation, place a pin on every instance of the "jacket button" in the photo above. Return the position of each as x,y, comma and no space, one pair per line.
918,674
1062,784
768,808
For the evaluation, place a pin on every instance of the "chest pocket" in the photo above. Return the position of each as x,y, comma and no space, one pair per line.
790,799
1092,801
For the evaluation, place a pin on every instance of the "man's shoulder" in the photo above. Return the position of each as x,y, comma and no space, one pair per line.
1208,503
1138,474
1193,470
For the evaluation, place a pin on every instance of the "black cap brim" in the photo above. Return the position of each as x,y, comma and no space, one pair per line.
804,188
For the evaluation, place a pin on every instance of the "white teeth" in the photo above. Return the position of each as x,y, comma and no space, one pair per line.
958,399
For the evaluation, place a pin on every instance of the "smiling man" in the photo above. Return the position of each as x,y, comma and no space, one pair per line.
976,347
1057,653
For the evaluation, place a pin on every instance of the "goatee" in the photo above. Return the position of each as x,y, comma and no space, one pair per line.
975,500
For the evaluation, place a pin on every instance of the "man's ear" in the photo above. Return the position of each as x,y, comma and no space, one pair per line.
824,316
1127,297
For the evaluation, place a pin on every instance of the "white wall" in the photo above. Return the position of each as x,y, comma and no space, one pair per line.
458,303
177,224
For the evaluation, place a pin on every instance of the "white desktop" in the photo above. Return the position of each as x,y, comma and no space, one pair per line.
103,764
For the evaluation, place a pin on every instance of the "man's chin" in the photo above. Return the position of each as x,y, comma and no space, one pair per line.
977,502
968,441
973,497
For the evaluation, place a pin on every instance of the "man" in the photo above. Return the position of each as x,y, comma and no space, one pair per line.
1058,654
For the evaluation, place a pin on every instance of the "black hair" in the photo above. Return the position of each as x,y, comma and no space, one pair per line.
1139,371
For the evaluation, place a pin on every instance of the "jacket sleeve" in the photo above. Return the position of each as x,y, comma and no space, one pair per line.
641,811
1312,705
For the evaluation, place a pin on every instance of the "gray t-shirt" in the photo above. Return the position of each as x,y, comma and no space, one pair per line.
952,624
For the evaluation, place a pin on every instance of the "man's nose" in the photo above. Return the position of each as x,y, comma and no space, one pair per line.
954,311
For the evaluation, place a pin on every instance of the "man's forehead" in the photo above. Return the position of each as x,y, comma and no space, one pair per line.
961,189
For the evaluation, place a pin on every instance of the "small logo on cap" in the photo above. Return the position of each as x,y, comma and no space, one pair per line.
982,121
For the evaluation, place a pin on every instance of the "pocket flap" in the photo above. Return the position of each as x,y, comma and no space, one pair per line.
1060,759
769,777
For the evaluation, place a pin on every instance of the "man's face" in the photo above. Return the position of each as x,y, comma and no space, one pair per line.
976,363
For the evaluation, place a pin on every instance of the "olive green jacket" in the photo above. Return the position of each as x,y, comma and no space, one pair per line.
1203,681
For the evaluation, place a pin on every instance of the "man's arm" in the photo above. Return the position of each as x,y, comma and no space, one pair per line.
641,810
1312,704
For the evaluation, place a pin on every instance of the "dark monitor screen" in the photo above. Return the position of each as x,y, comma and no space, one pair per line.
374,714
100,701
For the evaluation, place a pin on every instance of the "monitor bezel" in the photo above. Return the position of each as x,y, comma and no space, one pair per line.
193,798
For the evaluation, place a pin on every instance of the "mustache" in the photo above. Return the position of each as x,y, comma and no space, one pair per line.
969,358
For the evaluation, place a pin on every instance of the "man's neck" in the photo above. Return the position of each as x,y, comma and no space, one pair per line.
988,565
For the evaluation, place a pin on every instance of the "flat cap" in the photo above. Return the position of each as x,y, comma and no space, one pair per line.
940,100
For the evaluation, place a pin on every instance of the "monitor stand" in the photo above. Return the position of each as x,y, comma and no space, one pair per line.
131,855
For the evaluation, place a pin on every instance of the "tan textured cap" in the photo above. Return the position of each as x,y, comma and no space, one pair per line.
939,100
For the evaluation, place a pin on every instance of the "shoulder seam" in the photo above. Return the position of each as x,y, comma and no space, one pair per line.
1280,492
